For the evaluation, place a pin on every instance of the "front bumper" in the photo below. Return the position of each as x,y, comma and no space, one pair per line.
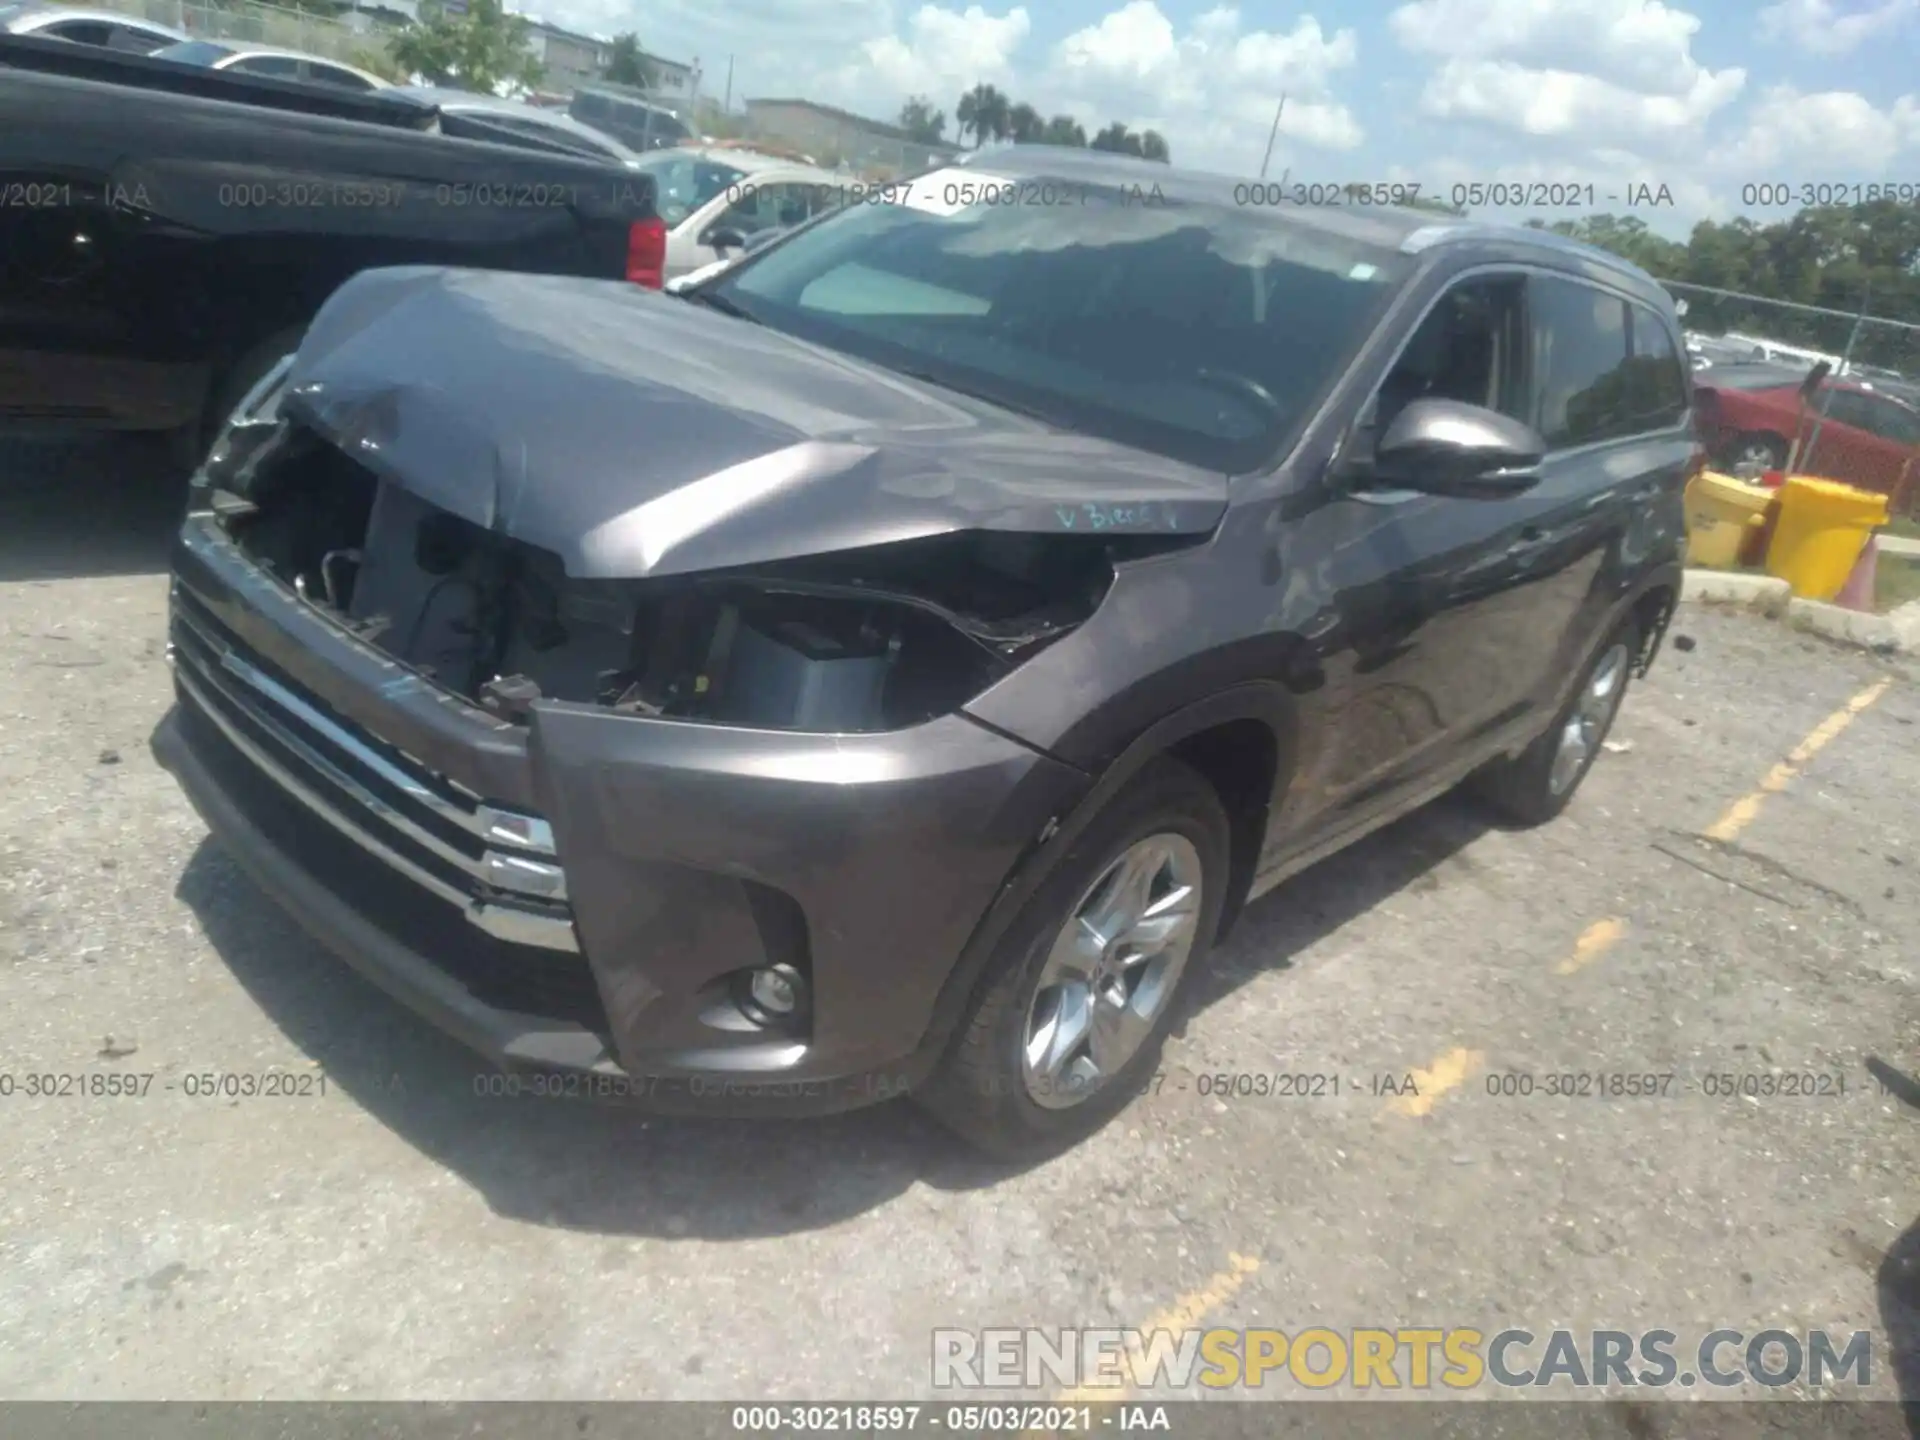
573,895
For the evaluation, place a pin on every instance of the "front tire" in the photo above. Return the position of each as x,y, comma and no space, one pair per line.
1539,783
1068,1021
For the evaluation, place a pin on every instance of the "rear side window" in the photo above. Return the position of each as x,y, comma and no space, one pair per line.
1580,362
82,32
334,76
1657,382
280,67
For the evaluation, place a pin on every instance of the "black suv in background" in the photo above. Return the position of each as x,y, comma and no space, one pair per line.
891,663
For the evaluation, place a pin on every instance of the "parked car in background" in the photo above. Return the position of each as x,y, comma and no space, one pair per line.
1751,415
1759,347
130,34
510,122
1706,351
890,664
639,124
714,201
761,147
180,242
242,59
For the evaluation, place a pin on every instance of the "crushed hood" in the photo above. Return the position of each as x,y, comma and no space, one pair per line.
632,433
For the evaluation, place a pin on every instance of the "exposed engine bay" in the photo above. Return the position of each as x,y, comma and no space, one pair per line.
856,641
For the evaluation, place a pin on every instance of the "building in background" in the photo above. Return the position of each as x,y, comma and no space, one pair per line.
573,59
570,58
673,81
840,138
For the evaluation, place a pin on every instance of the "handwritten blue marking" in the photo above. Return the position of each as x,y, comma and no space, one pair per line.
1066,516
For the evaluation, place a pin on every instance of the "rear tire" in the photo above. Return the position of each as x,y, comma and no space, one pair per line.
1536,785
1150,871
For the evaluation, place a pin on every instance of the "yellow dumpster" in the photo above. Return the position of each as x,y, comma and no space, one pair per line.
1720,512
1822,529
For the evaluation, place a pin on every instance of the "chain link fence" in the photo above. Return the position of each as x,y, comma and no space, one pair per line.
1752,360
253,22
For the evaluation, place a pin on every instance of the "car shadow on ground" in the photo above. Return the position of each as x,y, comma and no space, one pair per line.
85,506
606,1169
1898,1280
1318,901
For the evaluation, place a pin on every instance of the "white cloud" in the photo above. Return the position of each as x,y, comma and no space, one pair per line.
1212,89
1824,28
1558,67
1568,103
1639,44
1208,84
943,53
1790,136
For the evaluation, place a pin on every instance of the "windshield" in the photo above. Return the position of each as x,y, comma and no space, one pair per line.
1201,332
686,182
193,52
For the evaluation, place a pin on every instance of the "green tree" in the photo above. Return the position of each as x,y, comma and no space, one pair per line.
1024,125
1064,130
1835,257
926,125
1153,145
1117,139
381,63
983,112
481,50
1628,237
628,64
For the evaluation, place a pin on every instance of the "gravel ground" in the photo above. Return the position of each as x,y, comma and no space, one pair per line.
401,1237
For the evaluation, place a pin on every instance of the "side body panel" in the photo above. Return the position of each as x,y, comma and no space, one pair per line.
1406,640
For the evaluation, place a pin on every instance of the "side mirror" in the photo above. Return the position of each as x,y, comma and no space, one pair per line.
724,238
1448,447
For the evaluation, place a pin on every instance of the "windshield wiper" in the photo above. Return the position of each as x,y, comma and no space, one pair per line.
914,373
713,300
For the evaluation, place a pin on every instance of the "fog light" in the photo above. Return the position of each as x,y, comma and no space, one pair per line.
778,990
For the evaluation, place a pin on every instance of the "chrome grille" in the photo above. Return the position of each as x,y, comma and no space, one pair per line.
498,865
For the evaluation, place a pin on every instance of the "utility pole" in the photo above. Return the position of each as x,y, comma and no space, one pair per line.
1273,135
727,106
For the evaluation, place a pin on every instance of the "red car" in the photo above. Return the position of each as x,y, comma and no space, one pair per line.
1752,415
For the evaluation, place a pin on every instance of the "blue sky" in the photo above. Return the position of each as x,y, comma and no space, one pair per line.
1704,97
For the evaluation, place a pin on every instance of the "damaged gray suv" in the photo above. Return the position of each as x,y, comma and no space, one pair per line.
889,665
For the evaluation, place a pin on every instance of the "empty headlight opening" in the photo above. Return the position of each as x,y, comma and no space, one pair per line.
855,641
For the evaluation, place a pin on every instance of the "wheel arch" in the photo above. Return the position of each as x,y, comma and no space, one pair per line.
1241,740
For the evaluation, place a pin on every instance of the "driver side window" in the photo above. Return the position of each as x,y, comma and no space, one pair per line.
1470,347
763,207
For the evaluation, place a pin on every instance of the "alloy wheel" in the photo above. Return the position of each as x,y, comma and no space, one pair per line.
1592,713
1112,970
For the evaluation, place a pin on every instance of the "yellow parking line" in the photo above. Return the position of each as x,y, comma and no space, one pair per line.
1449,1072
1116,1379
1594,941
1743,811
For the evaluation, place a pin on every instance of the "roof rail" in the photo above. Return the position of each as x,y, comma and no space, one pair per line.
1453,232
